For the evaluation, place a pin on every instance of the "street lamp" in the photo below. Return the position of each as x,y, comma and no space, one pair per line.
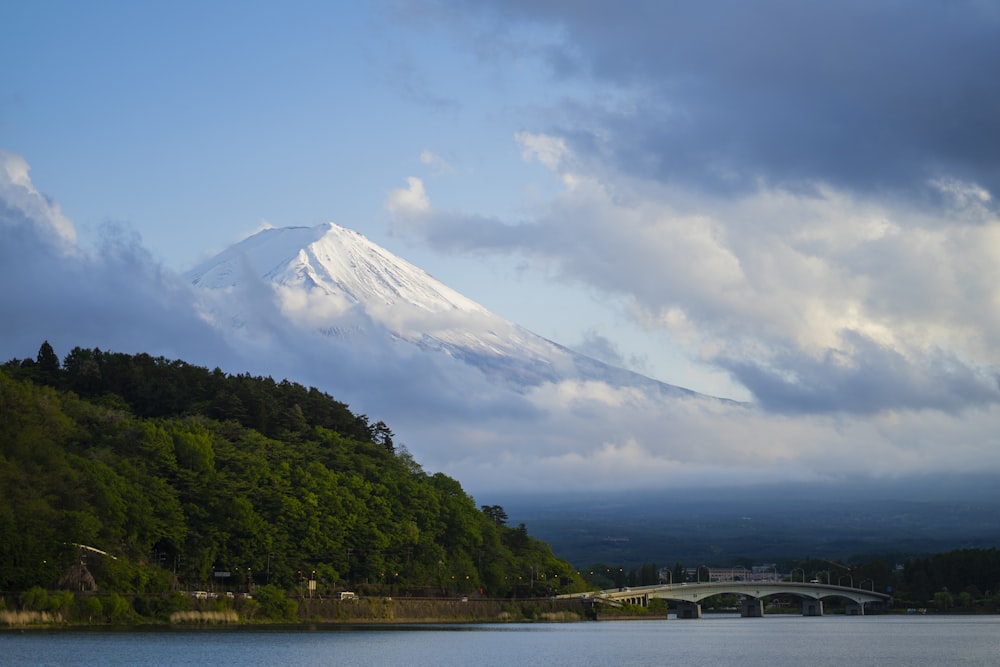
849,576
792,576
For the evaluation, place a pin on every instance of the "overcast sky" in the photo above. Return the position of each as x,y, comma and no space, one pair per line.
788,203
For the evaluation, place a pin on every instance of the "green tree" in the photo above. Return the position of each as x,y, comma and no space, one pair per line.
193,447
88,608
496,513
274,604
34,599
382,435
116,608
47,360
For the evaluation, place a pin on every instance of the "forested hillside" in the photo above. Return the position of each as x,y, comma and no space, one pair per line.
188,478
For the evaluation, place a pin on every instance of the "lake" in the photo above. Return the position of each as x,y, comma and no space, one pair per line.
774,641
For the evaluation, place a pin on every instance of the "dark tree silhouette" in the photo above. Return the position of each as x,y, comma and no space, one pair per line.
47,360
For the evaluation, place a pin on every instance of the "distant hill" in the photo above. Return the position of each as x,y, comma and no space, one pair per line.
767,524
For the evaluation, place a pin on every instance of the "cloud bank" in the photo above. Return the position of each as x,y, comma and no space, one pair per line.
801,195
555,436
861,96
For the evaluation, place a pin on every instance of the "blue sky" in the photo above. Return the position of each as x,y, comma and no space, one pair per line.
788,203
195,124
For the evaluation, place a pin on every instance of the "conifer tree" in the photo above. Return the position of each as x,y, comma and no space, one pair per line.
47,360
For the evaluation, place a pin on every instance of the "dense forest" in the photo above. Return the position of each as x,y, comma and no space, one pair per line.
141,475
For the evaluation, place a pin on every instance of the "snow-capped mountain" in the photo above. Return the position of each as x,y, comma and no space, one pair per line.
335,281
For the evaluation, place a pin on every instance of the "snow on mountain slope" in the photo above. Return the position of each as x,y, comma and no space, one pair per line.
335,281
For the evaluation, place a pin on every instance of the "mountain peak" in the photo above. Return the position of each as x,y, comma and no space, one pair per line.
325,277
333,260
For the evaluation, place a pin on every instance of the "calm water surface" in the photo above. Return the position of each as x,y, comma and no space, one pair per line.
772,641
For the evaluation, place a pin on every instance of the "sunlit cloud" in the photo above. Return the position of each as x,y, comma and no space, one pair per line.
817,301
19,193
409,200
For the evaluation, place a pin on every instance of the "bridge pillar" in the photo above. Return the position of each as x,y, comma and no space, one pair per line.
812,607
752,608
688,610
854,610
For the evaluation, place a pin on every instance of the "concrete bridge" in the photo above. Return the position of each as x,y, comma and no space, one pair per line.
686,598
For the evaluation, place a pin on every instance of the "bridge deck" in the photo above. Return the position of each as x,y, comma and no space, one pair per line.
696,592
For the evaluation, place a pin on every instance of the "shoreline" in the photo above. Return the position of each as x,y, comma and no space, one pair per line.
333,613
330,614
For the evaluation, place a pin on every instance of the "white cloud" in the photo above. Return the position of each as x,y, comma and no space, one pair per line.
656,445
115,296
548,150
789,291
17,190
434,160
410,200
